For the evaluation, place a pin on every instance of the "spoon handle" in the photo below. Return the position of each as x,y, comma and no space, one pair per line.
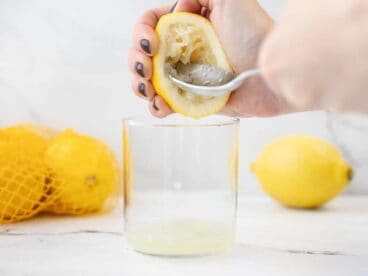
210,91
239,79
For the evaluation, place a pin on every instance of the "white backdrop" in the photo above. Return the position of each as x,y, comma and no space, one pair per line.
63,64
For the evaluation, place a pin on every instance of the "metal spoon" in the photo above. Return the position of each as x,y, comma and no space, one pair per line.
206,79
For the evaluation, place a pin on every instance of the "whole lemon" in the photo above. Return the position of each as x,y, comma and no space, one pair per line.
301,171
29,137
24,180
86,173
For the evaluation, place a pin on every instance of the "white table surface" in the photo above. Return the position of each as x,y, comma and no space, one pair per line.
271,240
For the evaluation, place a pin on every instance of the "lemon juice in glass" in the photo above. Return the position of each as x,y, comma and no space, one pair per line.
180,179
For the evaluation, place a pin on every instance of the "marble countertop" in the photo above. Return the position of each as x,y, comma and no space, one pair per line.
271,240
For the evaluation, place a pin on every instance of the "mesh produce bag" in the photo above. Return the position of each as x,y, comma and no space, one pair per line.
66,173
25,182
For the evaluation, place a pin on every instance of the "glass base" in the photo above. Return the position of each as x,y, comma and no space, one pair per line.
186,238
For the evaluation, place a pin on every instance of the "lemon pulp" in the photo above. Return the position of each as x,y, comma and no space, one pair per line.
181,237
187,38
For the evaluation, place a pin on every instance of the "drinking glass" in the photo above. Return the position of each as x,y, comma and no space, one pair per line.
180,180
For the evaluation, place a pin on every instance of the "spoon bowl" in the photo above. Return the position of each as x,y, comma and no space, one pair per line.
207,80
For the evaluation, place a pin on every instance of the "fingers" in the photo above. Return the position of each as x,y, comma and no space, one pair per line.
144,37
156,105
143,88
159,108
140,64
145,42
151,17
194,6
145,45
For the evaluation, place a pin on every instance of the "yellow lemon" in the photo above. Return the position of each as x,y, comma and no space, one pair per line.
86,172
187,38
30,136
45,132
24,178
302,171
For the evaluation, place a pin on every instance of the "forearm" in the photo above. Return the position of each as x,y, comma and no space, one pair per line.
317,56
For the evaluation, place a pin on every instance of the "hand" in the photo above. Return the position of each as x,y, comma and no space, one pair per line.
241,26
317,55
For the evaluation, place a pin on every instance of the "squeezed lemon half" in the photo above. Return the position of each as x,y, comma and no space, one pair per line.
187,38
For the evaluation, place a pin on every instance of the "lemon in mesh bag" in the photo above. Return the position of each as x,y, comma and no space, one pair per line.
86,171
25,183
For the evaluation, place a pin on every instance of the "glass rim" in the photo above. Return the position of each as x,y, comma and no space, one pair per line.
213,121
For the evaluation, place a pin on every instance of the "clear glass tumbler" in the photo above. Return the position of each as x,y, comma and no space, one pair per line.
180,178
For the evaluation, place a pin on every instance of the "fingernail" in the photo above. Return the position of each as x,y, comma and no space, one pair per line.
142,89
173,7
155,106
145,44
139,69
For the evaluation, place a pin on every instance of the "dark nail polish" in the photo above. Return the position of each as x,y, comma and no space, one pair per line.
145,44
139,69
155,106
173,7
142,89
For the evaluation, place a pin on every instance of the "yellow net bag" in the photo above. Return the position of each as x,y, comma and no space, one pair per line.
64,173
25,183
